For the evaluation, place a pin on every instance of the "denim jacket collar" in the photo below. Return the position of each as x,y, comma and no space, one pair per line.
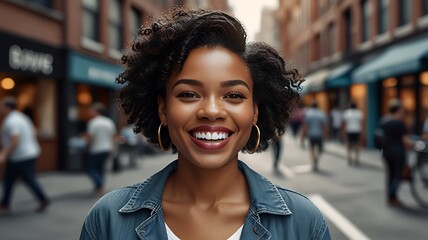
264,197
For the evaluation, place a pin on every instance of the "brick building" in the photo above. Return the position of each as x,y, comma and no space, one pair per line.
368,51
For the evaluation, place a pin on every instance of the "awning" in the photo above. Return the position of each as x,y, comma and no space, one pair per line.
340,77
315,81
397,60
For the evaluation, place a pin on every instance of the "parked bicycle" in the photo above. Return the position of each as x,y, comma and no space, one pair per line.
419,173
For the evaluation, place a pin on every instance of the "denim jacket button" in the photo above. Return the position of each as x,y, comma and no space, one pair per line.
256,229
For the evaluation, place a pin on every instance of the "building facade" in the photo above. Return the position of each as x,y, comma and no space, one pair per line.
32,64
367,51
58,57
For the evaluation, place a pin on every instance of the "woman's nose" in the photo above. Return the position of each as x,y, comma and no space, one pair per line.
211,109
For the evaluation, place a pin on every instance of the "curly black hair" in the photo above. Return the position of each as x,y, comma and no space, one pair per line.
163,47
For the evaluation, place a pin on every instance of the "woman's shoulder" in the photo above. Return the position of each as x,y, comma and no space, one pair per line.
297,201
116,199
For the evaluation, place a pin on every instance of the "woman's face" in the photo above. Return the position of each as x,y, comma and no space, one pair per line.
209,107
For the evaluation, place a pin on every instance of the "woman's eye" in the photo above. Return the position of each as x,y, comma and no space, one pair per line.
188,95
235,95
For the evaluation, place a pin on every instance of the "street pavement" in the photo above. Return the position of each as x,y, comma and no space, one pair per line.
351,198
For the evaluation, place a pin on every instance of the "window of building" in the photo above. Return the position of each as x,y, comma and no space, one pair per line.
365,18
317,50
347,31
115,25
135,22
404,12
44,3
91,19
331,39
424,7
383,16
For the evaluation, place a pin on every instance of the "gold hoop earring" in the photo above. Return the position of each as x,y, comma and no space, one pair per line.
160,139
258,141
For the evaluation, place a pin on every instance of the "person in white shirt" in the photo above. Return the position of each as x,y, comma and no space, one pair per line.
353,126
20,151
336,123
101,133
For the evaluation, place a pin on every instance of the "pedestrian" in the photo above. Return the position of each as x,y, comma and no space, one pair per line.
297,120
277,150
424,134
20,150
353,128
129,142
315,128
101,136
336,123
395,144
207,95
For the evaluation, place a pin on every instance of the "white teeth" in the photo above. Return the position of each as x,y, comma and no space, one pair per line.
211,135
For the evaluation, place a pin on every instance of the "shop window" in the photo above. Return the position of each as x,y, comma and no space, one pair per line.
115,25
389,92
424,7
424,78
348,31
135,21
365,18
91,19
404,12
331,39
40,108
383,16
46,108
358,93
408,98
423,97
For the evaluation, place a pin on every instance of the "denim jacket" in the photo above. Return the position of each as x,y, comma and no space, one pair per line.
135,212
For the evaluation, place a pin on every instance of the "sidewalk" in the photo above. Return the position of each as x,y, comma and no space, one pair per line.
370,157
59,185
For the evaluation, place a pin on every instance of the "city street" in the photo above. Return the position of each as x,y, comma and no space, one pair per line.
351,198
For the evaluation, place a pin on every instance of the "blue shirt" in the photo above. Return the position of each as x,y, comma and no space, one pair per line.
315,121
135,212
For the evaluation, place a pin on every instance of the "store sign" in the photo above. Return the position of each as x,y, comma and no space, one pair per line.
92,71
102,75
29,60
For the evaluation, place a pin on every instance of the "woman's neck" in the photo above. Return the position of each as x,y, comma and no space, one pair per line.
206,187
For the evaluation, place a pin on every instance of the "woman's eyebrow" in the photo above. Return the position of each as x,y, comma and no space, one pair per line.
231,83
188,82
224,84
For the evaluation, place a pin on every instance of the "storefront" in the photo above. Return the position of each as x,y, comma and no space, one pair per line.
398,72
31,71
314,90
89,80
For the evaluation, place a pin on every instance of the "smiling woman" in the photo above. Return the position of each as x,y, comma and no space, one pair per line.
192,82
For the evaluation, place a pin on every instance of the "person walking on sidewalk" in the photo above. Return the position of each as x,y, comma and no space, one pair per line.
315,128
20,151
207,95
394,152
101,136
352,129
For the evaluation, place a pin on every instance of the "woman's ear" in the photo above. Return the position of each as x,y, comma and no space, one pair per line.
162,110
256,113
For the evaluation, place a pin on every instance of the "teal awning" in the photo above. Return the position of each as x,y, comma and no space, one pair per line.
92,71
340,77
315,82
399,59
